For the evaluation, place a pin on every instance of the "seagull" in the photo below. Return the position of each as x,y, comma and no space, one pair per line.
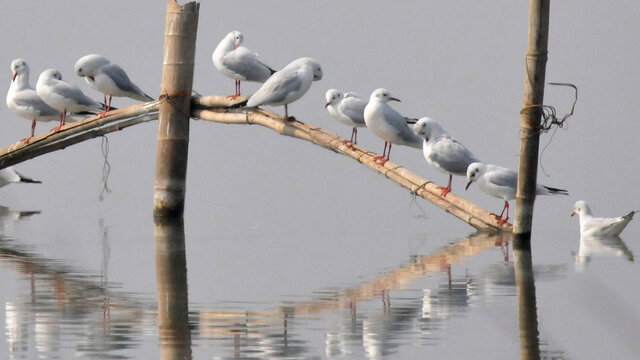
348,108
596,226
23,100
388,124
64,96
442,151
238,62
9,175
287,85
108,78
501,182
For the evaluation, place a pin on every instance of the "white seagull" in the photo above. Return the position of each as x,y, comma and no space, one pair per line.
442,151
8,175
597,226
238,62
502,183
388,123
108,78
23,100
287,85
64,96
348,108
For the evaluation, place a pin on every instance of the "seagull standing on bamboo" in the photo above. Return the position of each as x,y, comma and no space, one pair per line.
597,226
442,151
9,175
502,183
287,85
238,62
108,78
388,124
64,97
348,108
23,100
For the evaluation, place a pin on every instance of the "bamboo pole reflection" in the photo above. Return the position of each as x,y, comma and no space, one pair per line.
173,299
526,290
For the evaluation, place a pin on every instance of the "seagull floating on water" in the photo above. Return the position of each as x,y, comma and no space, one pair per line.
108,78
238,62
502,183
348,108
23,99
442,151
388,124
287,85
8,175
597,226
63,96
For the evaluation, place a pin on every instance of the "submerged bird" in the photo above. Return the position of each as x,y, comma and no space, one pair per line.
238,62
348,108
108,78
597,226
9,175
23,99
388,124
287,85
502,183
64,96
442,151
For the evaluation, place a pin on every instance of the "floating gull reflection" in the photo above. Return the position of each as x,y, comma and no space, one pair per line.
602,246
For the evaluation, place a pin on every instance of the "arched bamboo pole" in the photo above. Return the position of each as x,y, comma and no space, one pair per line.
457,206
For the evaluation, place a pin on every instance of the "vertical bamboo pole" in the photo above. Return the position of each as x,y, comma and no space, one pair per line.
173,128
536,61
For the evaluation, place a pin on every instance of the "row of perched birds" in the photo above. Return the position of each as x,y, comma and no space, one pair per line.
282,87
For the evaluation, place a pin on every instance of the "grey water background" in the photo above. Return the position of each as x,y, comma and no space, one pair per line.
272,222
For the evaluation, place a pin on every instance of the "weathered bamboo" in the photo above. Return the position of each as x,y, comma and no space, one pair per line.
459,207
173,127
78,131
536,60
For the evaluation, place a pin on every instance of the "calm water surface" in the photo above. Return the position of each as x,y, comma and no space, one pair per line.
463,298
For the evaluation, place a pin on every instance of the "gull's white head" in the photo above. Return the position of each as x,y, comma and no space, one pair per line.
49,74
474,172
427,128
333,97
88,65
317,69
18,66
235,38
382,95
581,208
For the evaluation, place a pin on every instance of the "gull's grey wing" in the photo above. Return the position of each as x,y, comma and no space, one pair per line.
504,177
121,79
451,155
32,100
245,63
73,93
353,107
277,88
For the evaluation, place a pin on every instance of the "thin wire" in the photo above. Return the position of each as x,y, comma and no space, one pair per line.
106,168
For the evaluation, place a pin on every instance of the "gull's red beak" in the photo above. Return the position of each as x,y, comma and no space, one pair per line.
92,78
327,104
236,45
395,99
14,77
468,184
